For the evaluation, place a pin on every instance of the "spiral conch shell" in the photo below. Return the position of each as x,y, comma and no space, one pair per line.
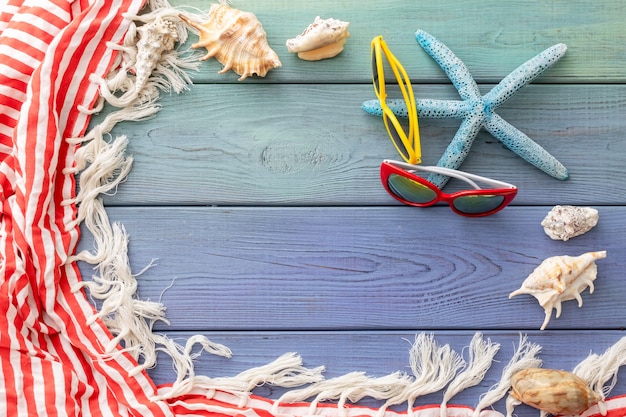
148,53
237,40
324,38
561,278
565,222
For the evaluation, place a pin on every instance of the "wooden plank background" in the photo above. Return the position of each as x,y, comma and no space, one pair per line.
261,203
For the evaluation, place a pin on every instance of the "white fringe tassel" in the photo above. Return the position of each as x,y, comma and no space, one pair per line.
434,367
286,371
481,354
351,387
597,370
102,167
525,357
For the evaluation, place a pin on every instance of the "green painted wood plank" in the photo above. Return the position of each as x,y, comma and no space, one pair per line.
491,37
313,145
381,353
361,268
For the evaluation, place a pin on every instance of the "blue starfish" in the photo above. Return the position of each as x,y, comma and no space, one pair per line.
479,111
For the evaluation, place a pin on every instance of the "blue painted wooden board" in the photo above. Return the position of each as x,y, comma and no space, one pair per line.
261,201
361,268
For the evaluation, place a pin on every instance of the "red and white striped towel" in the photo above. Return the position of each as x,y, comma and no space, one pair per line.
51,361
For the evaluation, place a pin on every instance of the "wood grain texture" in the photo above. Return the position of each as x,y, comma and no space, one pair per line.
306,145
362,268
492,38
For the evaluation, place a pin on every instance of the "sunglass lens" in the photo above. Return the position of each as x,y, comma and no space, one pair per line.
375,75
478,204
410,190
394,133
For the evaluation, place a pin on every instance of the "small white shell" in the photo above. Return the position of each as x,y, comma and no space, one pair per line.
565,222
561,278
324,38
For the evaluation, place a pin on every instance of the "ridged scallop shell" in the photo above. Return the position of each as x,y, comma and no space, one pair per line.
566,222
561,278
237,40
324,38
552,391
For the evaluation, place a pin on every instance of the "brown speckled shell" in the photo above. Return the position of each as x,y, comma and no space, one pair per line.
237,40
553,391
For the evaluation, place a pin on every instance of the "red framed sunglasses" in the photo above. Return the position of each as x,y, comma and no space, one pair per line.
401,181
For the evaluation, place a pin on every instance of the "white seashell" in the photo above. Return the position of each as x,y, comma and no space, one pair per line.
565,222
237,40
324,38
144,52
561,278
155,38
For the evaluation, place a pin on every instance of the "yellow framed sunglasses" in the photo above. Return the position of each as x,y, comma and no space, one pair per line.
408,145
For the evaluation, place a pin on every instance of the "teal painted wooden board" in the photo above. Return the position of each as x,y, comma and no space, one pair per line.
381,353
491,37
297,144
362,268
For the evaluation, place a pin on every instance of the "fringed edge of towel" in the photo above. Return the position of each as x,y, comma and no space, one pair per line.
600,371
133,85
